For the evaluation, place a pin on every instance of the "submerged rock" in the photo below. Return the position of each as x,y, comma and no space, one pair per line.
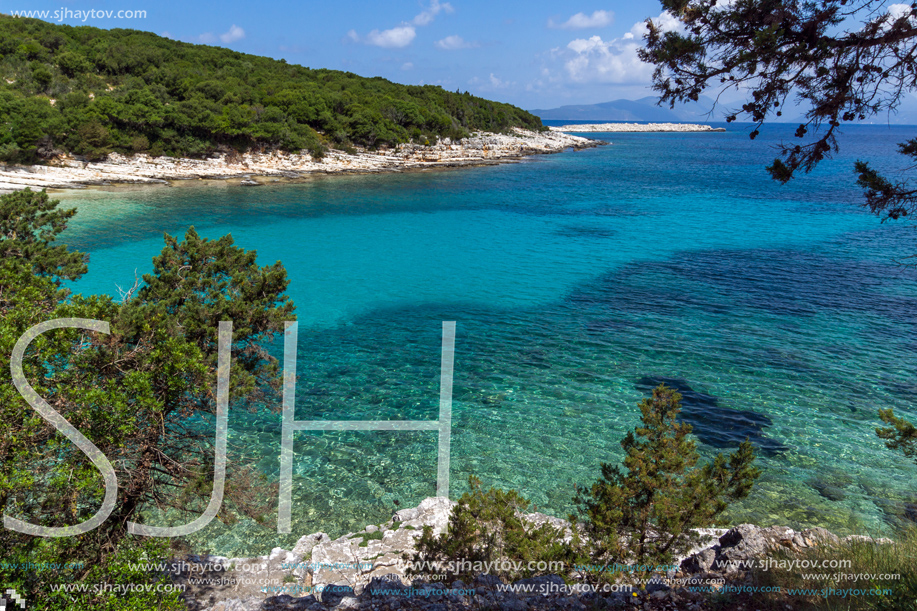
713,424
898,513
831,483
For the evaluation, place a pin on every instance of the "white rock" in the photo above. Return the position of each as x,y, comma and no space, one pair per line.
69,172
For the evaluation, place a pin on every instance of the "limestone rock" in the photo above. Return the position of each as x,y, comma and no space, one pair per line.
66,171
361,570
701,562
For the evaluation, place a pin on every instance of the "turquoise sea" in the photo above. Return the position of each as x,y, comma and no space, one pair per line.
577,282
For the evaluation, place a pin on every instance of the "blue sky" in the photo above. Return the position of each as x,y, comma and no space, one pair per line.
536,54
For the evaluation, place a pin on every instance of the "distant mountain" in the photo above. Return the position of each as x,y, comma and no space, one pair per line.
644,109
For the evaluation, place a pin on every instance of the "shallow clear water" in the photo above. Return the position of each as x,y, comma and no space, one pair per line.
577,281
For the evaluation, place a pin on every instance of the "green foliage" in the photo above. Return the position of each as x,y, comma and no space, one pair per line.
93,141
197,283
29,225
125,581
115,86
644,515
486,527
901,435
143,394
887,199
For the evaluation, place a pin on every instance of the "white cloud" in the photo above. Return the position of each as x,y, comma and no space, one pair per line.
426,17
394,38
594,60
897,11
492,82
207,38
496,83
407,66
166,34
452,43
404,34
582,21
666,22
235,33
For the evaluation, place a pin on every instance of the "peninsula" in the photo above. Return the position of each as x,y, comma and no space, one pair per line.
86,106
638,127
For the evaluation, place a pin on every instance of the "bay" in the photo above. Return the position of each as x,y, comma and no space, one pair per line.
577,282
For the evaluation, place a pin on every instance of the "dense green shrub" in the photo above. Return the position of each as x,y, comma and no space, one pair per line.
486,528
123,580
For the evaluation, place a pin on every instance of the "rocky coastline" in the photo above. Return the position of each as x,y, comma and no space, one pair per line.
638,127
367,570
69,172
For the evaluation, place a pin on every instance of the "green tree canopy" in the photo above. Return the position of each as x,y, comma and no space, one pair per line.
90,92
143,393
29,225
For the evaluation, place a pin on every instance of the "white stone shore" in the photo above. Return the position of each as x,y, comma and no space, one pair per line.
67,172
638,127
359,570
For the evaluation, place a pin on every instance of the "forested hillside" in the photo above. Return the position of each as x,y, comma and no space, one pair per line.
90,92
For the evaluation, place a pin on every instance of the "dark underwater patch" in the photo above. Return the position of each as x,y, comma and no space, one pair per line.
713,424
583,231
898,513
535,357
831,484
784,282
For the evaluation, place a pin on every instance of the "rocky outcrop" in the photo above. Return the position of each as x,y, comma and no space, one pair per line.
69,172
316,568
355,560
739,547
638,127
367,570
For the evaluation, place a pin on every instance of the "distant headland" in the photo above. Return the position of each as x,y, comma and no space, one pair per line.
638,127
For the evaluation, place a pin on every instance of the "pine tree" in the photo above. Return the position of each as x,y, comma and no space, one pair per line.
646,512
